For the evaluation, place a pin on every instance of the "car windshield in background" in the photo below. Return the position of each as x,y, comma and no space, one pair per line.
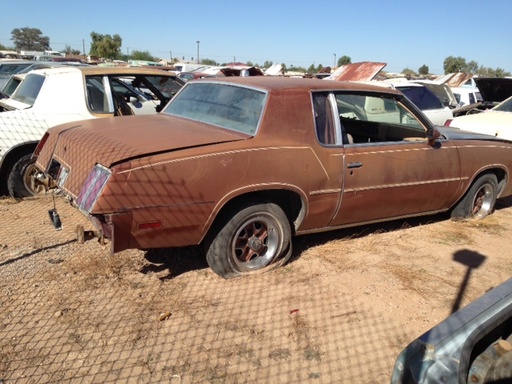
28,89
423,97
13,67
225,105
505,106
168,86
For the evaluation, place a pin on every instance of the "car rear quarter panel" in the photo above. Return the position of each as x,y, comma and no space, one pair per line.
185,193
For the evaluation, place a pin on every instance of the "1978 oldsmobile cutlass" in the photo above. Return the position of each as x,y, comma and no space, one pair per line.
240,165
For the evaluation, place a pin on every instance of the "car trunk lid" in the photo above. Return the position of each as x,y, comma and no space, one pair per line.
79,146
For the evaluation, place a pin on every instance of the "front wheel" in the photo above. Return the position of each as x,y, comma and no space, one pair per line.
257,237
20,181
479,200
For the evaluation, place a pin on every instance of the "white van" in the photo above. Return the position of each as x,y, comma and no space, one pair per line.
467,95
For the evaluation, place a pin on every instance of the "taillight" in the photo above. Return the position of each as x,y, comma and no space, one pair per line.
92,187
448,122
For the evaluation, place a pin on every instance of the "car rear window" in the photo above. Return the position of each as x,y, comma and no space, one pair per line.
225,105
28,89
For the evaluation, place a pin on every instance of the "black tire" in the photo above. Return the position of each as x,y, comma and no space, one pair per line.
479,200
256,238
18,180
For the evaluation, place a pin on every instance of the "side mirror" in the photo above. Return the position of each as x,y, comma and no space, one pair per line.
432,136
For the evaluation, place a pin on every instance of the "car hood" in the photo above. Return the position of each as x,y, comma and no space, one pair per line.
459,134
494,89
109,141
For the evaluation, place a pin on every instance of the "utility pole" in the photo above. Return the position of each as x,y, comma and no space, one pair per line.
197,57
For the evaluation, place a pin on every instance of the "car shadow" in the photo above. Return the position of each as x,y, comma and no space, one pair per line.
169,263
504,203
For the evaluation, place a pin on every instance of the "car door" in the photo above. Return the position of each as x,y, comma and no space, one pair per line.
390,170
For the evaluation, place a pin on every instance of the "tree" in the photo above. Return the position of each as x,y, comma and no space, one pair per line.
423,70
458,64
30,39
208,62
293,68
69,51
142,55
490,72
311,69
343,60
267,64
105,46
408,72
454,64
472,67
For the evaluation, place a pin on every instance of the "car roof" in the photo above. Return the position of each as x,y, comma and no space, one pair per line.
94,70
273,83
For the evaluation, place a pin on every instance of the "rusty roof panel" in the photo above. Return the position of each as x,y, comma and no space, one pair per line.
363,71
454,79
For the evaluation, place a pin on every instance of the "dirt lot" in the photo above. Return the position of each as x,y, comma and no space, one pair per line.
340,311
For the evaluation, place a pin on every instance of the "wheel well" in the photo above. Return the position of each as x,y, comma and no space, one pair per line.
288,201
12,157
502,177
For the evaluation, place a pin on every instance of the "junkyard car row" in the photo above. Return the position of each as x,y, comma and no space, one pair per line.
240,165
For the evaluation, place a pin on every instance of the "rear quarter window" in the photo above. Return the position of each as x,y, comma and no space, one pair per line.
29,88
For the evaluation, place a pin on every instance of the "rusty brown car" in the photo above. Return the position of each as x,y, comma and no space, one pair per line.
240,165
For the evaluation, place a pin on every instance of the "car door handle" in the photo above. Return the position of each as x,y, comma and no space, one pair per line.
355,164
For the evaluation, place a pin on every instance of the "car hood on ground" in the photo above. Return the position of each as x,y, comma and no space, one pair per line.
113,140
494,89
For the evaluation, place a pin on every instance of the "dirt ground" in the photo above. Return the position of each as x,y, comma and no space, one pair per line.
339,312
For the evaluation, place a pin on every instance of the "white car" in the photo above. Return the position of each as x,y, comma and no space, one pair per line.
48,97
425,99
496,121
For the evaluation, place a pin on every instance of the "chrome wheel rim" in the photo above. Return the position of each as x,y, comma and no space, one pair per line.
483,201
255,243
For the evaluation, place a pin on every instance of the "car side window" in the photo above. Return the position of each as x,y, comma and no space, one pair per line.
372,119
96,97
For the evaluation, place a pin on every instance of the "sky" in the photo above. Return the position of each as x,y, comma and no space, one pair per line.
403,34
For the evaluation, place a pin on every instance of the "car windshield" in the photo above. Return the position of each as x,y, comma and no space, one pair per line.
28,89
225,105
505,106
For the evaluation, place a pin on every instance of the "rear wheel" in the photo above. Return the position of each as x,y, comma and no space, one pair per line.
479,200
20,182
257,237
